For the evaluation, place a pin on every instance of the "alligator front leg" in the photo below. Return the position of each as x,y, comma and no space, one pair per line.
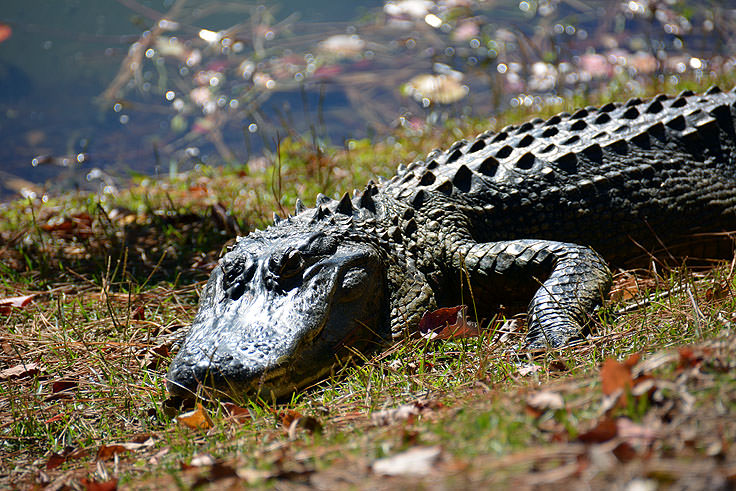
569,281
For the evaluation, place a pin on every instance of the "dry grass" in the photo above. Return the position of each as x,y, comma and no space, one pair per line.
83,397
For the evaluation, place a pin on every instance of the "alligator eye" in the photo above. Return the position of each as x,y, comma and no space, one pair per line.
292,264
236,275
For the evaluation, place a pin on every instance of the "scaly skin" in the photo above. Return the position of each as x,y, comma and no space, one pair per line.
526,213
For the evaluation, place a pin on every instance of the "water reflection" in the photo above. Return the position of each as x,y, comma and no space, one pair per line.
148,86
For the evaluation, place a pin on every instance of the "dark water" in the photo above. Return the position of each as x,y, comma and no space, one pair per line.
220,81
59,58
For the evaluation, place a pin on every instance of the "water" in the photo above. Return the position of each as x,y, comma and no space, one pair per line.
220,81
58,60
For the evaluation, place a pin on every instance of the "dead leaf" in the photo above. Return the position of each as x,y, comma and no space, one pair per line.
628,286
236,412
252,476
403,412
198,419
417,461
287,417
139,314
616,375
20,371
54,461
69,453
528,369
7,348
447,323
107,452
62,389
62,385
154,357
689,358
216,472
79,226
202,460
624,452
6,304
605,430
92,485
539,402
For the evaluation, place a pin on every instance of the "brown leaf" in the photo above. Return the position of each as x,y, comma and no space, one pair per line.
689,358
139,314
62,389
69,453
20,371
615,376
605,430
55,460
628,286
448,323
236,412
156,356
198,419
107,452
632,360
624,452
216,472
287,417
525,370
79,225
7,348
63,384
8,303
92,485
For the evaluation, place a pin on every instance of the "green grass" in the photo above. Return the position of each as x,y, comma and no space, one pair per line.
117,282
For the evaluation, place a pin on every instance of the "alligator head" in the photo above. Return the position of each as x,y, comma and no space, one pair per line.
282,307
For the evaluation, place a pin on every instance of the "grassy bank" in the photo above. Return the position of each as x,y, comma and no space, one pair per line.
97,289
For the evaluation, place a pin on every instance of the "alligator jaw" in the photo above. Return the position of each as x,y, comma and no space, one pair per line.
261,333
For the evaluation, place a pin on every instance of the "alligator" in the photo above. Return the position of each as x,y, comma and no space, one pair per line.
528,212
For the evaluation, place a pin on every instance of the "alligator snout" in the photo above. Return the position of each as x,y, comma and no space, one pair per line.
274,317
